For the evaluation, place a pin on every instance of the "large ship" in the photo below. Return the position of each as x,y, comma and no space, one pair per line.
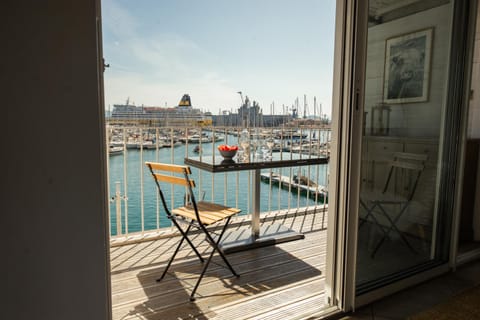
179,116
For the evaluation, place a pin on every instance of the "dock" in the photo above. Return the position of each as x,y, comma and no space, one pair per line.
302,184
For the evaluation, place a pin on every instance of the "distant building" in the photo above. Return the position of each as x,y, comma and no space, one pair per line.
249,115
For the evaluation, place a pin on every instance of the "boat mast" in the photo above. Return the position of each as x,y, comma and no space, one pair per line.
305,106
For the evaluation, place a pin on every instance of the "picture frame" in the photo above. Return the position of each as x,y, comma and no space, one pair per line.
407,67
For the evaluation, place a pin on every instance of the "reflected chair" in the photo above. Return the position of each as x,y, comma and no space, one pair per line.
391,204
197,215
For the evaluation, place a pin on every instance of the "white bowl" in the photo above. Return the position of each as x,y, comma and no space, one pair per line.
228,154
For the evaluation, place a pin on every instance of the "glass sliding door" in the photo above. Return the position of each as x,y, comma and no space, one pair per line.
469,219
404,207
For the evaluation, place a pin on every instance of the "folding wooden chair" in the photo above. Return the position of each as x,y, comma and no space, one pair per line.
198,215
408,165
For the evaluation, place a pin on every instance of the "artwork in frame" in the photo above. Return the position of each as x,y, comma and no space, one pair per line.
407,67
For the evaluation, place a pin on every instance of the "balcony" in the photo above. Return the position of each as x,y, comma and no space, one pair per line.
275,281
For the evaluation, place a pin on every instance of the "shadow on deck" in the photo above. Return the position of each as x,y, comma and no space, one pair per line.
274,281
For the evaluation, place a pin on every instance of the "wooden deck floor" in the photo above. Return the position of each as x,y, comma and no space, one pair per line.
284,281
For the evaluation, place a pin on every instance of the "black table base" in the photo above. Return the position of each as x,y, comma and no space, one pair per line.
242,239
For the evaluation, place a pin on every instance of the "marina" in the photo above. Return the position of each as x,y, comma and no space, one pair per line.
287,140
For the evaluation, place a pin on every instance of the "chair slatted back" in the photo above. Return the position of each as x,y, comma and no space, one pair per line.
408,161
410,156
168,167
173,179
407,165
182,179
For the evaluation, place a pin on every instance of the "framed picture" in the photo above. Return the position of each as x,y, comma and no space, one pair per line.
407,67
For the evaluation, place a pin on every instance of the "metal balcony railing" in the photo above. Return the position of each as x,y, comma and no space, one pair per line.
135,210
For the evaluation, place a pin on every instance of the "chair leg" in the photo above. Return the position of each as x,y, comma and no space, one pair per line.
385,234
184,234
192,295
369,212
215,247
370,215
392,227
383,240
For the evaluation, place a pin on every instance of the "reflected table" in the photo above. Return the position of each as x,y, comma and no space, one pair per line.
259,236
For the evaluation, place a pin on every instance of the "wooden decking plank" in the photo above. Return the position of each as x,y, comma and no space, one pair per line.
299,309
240,262
137,289
156,255
172,307
268,304
231,297
264,272
118,281
248,284
237,258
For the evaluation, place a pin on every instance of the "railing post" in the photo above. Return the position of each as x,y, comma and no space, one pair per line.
256,204
118,207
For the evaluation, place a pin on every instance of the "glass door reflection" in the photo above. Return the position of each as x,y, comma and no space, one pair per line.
406,81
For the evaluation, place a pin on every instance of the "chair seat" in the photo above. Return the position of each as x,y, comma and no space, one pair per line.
209,212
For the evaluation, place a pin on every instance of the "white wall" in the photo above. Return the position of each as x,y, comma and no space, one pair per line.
54,234
421,119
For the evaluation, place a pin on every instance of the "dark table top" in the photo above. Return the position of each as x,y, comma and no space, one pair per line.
218,164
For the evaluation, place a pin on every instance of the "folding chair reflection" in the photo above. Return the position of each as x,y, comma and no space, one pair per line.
409,165
198,215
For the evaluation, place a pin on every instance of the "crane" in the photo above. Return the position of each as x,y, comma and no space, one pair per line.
241,96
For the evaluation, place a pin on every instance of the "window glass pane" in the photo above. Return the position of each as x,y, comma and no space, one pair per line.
405,104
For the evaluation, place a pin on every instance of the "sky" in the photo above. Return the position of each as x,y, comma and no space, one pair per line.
273,51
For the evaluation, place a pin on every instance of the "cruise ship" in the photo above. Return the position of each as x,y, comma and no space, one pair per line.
180,116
